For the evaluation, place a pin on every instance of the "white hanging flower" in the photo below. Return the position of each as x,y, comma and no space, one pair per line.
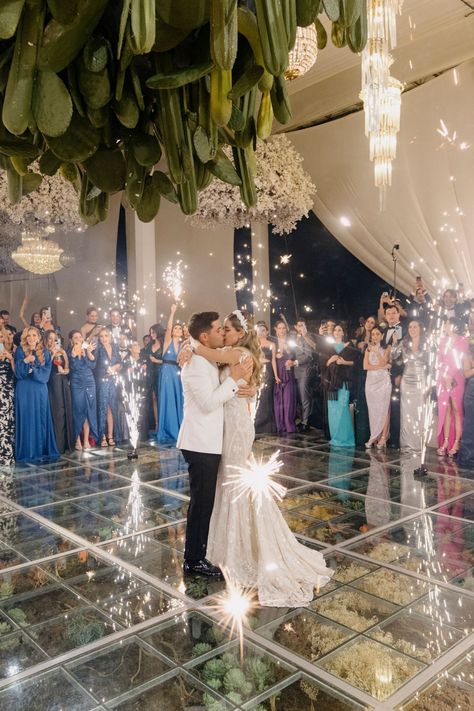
284,192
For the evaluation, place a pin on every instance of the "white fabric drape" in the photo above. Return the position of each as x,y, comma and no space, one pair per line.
430,206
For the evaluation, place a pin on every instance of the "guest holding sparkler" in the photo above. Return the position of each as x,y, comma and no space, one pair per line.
450,387
170,406
59,391
108,364
264,416
466,451
83,391
285,384
337,378
411,353
378,388
7,397
34,435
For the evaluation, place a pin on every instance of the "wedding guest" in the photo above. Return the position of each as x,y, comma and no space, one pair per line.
59,391
284,399
46,323
411,353
5,316
466,450
378,388
394,332
304,353
34,434
117,327
154,358
338,376
265,416
419,303
362,426
452,350
451,306
7,398
83,390
90,329
170,410
108,364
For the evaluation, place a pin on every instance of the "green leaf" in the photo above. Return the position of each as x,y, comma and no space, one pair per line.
52,104
146,150
147,208
94,86
166,36
31,182
106,170
247,81
63,11
202,145
331,8
321,34
96,54
10,12
184,14
49,164
165,186
173,80
352,10
221,167
126,109
79,143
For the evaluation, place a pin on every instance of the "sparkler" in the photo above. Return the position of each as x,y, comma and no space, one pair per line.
285,258
233,607
132,394
254,480
173,280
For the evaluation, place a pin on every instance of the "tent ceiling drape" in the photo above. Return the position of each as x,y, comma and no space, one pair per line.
430,206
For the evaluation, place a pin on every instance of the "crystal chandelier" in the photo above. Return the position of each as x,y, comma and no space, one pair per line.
38,254
381,92
304,53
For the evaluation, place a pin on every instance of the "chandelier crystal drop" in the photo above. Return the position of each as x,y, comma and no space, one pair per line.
382,20
304,54
38,254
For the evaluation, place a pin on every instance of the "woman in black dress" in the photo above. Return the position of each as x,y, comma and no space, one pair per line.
7,398
466,452
153,355
60,393
265,416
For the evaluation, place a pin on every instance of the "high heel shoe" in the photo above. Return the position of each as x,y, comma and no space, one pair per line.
454,449
370,443
442,451
382,444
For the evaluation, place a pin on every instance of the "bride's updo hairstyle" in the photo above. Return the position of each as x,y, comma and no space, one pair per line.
250,341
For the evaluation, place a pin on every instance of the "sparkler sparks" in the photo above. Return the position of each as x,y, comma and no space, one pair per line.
285,258
255,480
173,277
233,606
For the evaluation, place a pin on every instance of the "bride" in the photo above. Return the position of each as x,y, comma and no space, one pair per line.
255,545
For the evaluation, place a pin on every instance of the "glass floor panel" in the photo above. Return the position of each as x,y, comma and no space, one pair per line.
95,613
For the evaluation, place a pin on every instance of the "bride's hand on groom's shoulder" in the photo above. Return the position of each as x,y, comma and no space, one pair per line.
242,370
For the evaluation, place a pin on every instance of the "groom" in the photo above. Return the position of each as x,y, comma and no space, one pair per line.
201,434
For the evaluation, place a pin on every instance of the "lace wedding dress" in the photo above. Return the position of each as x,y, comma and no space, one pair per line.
257,547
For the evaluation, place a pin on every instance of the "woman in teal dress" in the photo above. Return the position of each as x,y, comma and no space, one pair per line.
337,377
170,403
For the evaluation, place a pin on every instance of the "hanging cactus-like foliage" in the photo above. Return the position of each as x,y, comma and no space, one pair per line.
102,88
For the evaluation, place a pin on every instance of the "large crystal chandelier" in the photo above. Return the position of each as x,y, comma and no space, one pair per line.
304,53
380,91
38,254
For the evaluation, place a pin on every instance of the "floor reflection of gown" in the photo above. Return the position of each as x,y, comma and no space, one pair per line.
34,436
265,416
170,404
412,395
466,452
255,544
377,501
7,413
362,427
61,406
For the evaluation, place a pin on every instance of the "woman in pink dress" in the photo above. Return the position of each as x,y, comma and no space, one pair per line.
450,387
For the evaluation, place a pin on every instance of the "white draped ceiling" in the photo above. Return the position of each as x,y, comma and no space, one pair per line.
430,206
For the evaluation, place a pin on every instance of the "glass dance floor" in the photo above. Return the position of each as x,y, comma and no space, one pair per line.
95,614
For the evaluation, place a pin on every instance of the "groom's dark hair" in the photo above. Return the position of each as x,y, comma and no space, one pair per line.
201,323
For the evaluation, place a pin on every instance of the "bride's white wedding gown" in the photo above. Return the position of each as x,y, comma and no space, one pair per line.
257,547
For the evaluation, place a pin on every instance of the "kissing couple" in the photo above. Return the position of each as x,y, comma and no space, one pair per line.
221,373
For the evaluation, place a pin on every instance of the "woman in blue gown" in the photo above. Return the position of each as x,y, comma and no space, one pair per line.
34,434
338,376
170,404
83,392
108,364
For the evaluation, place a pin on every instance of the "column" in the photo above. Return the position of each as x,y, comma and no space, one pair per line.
261,272
141,251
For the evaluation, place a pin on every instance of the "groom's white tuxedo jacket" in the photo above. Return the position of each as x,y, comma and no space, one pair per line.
202,428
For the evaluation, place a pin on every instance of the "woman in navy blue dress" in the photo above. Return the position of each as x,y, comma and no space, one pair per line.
34,434
83,392
170,403
109,363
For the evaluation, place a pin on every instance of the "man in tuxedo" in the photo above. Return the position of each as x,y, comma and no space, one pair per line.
451,307
201,435
304,350
392,334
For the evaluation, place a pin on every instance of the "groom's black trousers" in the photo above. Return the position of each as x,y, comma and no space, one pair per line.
203,470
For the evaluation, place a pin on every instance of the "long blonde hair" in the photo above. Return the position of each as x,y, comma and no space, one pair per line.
251,342
39,350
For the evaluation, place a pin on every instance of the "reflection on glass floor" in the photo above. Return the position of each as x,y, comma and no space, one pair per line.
95,613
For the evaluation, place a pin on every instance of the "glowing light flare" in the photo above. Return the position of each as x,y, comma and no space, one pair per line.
255,480
173,276
233,607
285,258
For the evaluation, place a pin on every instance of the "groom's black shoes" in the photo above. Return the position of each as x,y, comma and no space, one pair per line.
202,567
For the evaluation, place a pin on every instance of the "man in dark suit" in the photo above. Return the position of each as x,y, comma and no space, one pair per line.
392,334
452,307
